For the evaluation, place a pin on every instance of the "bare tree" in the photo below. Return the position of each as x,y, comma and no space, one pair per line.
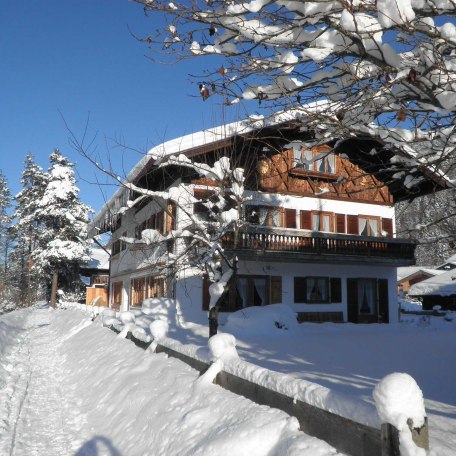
377,69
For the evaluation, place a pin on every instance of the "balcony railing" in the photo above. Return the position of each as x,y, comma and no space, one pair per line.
279,240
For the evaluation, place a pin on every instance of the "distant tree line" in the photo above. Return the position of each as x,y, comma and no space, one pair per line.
42,232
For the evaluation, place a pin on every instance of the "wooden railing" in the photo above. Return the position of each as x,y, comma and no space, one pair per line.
320,243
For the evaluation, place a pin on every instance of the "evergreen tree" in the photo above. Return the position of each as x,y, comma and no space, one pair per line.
26,231
5,237
63,218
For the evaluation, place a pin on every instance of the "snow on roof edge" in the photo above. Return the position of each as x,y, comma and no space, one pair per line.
201,138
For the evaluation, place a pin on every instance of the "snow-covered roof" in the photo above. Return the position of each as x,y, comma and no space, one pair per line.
213,137
409,271
451,260
187,143
99,259
441,285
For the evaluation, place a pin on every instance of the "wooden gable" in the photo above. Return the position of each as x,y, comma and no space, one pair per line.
278,173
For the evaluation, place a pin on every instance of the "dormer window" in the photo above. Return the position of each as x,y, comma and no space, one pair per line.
314,161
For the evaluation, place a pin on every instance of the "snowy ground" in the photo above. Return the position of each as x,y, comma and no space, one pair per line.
70,387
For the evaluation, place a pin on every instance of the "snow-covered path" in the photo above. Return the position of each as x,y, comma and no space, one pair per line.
69,387
39,417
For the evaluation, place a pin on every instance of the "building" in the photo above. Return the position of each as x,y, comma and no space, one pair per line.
438,290
320,232
95,274
409,275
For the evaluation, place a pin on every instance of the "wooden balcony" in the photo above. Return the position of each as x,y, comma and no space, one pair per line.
275,244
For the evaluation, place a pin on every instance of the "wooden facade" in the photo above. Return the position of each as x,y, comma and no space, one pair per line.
283,173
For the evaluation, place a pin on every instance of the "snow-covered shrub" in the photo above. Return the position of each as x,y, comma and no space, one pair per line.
223,346
159,329
266,320
158,308
109,317
127,317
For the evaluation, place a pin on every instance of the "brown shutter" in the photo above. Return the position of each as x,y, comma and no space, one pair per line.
336,289
171,217
352,224
276,289
290,218
306,220
340,223
387,225
300,289
383,307
160,221
352,300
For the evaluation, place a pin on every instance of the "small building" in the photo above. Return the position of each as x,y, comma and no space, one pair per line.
449,264
95,274
439,290
319,233
409,275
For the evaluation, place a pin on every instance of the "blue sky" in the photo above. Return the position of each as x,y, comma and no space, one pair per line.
78,58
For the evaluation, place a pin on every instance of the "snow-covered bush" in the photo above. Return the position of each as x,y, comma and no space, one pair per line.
265,320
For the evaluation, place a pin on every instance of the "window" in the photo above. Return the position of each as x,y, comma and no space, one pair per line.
247,291
263,215
318,290
154,222
317,221
322,222
368,226
155,287
137,291
119,245
317,161
367,300
116,297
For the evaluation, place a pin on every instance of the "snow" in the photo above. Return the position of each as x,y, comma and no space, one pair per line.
443,284
334,366
398,398
76,388
399,402
394,12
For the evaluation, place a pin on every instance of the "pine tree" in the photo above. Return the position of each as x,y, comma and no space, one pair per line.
5,237
26,231
63,218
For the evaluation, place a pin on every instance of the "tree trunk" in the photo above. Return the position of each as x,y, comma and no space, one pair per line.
54,289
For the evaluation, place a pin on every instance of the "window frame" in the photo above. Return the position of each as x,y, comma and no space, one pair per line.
333,290
317,157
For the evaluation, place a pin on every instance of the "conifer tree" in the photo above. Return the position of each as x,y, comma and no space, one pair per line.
26,231
5,237
63,218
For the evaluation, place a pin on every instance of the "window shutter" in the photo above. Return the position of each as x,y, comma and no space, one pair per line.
352,300
383,305
300,289
276,290
290,218
387,225
352,224
306,220
336,289
171,217
340,223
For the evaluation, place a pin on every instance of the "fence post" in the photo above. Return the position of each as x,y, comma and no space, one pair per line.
420,435
390,440
397,396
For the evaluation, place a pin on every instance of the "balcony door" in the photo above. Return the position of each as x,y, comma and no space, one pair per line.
367,300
